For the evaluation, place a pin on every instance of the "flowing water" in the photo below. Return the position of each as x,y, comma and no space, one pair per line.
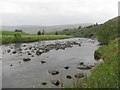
19,74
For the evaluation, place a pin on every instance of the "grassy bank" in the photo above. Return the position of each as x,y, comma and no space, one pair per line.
105,75
14,37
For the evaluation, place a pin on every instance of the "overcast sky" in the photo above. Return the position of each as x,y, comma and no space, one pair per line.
56,12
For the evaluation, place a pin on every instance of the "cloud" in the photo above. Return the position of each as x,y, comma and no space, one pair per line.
50,12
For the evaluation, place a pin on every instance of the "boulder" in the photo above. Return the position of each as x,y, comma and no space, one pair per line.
43,61
32,55
8,50
29,53
69,77
53,72
97,55
38,52
81,63
44,83
79,75
66,67
24,45
26,59
14,52
55,82
19,62
85,67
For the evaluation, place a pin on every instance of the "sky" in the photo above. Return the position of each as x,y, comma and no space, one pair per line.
56,12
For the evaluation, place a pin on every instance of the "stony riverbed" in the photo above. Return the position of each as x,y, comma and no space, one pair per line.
45,64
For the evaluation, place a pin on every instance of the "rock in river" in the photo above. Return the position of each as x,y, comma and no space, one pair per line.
53,72
85,67
38,52
44,83
66,67
68,77
79,75
81,63
14,52
26,59
43,61
55,82
8,50
97,55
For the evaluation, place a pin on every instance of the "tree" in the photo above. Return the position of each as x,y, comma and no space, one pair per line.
18,30
56,33
39,33
43,32
79,27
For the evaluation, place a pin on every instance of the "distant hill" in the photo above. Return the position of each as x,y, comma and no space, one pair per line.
33,29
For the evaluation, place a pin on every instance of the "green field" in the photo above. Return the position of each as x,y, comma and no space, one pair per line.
9,37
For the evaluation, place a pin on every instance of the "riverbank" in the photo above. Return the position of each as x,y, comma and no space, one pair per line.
9,37
106,74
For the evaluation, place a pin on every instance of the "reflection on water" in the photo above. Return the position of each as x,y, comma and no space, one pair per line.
20,74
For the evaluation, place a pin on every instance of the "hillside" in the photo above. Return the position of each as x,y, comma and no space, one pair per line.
33,29
104,32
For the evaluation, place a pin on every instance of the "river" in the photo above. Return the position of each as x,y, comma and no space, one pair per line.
17,73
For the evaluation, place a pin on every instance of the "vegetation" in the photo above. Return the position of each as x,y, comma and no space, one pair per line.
39,33
105,75
104,32
14,37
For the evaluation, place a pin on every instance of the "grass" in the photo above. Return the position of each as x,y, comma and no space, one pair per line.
105,75
9,37
103,32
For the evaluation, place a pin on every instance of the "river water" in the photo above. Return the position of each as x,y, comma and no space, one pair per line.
19,74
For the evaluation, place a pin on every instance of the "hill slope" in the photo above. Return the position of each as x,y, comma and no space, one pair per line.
104,32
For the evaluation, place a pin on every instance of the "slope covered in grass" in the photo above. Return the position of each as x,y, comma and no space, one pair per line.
104,32
105,75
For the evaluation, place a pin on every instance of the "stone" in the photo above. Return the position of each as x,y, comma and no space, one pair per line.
81,63
53,72
55,82
14,52
44,83
66,67
26,59
43,61
97,55
8,50
69,77
79,75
